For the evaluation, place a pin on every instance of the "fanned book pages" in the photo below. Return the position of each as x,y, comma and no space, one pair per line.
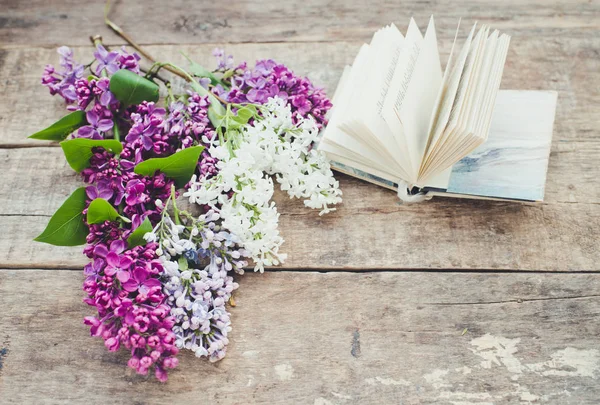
398,121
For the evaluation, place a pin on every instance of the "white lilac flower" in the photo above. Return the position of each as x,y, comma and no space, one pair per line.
197,259
241,192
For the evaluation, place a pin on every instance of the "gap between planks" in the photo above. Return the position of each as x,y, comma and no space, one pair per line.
10,47
335,270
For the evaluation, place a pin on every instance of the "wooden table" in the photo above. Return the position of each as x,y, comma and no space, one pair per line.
446,302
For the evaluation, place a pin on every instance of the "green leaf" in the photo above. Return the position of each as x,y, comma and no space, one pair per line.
137,236
62,128
66,227
100,210
183,263
79,151
131,89
179,166
200,71
244,114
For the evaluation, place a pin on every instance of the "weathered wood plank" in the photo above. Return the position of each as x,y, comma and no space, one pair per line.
442,234
564,64
178,21
333,338
370,230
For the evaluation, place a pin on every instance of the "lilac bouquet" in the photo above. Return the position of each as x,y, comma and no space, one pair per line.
160,278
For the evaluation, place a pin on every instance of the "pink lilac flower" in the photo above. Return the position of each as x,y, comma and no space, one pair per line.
141,281
134,317
116,264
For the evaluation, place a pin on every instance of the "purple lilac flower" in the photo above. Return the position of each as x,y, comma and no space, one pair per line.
108,61
104,95
223,61
129,61
107,174
189,123
101,190
141,281
146,131
92,269
96,125
114,180
62,82
270,79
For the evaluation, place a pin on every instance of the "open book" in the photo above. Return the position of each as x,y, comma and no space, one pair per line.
398,120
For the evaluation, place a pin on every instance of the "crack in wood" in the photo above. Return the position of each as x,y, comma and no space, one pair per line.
515,301
332,270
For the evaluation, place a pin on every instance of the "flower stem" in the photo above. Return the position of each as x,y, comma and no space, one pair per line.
96,40
116,131
148,74
220,99
134,44
175,210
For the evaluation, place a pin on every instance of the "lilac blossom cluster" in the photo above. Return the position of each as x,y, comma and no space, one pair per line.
151,131
197,259
270,79
172,292
124,286
90,93
155,132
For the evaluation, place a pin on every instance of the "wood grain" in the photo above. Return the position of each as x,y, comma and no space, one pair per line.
179,21
329,338
381,336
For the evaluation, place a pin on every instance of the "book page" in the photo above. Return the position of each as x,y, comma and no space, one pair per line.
360,119
473,124
354,146
459,105
349,137
395,95
448,100
440,97
480,114
416,101
387,50
464,107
